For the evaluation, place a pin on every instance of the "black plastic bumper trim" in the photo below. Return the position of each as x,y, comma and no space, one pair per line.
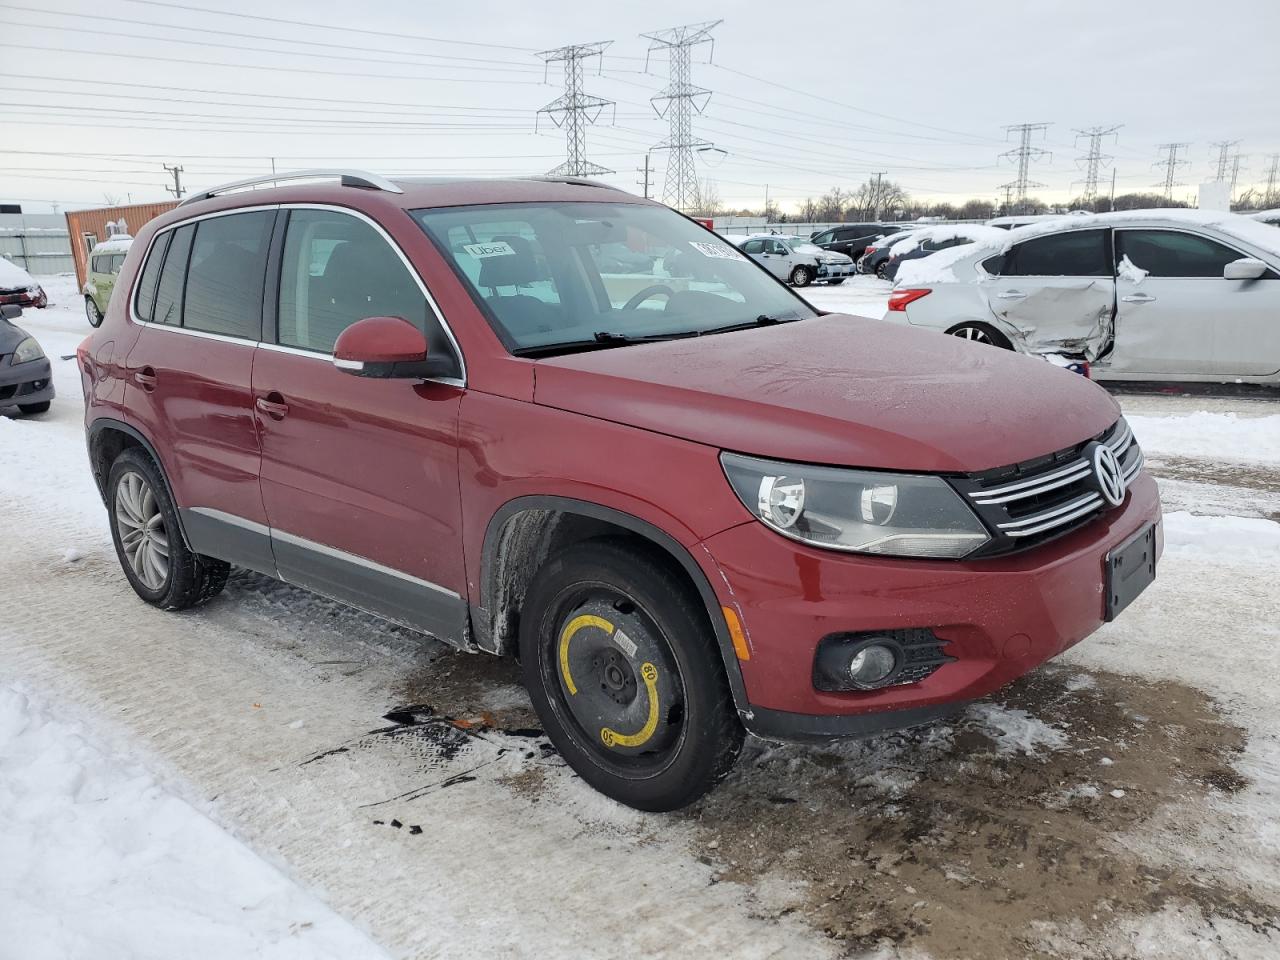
784,725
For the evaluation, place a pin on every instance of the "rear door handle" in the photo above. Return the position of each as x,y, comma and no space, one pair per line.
273,406
1137,298
1012,295
145,378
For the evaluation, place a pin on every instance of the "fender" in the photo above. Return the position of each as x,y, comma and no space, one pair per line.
658,537
103,423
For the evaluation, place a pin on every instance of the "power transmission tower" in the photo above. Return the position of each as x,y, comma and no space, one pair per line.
1235,173
678,102
1171,164
1273,177
575,110
177,189
1025,154
1095,159
1224,157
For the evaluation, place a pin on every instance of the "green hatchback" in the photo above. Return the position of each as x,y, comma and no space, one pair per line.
105,261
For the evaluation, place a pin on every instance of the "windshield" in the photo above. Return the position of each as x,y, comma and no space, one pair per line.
806,247
548,274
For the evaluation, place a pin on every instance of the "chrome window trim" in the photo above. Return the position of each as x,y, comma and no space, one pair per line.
459,382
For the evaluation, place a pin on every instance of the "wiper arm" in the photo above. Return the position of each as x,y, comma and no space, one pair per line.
764,320
601,340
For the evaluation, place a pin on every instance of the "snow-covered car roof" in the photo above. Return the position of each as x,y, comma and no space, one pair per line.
117,244
938,267
973,232
13,276
1267,216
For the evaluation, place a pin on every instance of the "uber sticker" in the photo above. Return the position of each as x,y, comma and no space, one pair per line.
494,248
716,251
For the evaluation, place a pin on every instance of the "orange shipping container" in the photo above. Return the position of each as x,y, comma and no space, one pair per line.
87,228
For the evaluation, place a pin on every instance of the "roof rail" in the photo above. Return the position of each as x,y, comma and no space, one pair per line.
348,178
577,181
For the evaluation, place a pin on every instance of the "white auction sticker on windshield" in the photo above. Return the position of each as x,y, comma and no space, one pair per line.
717,251
494,248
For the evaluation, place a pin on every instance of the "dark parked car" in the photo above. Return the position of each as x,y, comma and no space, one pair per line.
18,288
889,269
26,379
877,254
693,505
851,239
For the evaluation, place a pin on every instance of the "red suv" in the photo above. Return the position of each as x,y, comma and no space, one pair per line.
550,419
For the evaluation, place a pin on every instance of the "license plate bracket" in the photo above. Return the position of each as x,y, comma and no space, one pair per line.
1131,567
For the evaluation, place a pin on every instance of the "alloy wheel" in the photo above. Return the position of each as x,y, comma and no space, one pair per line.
976,334
141,526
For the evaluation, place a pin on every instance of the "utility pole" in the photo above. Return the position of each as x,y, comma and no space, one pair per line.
1273,176
1024,153
176,189
1113,189
678,102
575,110
1224,157
1095,159
1171,164
876,194
1008,198
646,172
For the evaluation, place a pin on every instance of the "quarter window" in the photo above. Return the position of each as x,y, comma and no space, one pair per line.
1080,253
335,270
224,281
146,300
1169,253
168,309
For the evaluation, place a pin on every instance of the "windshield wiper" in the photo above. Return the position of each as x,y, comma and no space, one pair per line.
764,320
601,340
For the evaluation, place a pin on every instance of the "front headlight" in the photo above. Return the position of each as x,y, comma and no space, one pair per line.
27,351
863,511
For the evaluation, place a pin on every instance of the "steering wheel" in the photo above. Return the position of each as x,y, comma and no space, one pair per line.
646,293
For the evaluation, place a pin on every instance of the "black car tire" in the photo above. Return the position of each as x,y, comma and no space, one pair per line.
92,312
692,735
30,408
801,276
882,269
191,578
836,282
981,333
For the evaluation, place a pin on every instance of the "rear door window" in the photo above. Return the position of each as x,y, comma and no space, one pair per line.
1081,253
145,301
168,308
1171,253
753,246
224,281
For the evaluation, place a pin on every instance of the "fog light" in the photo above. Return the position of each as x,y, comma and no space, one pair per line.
872,664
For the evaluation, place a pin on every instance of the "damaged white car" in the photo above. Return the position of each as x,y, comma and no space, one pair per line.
1140,295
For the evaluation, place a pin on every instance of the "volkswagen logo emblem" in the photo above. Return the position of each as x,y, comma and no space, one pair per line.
1107,474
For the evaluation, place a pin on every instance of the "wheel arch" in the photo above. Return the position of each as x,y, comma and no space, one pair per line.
107,438
524,531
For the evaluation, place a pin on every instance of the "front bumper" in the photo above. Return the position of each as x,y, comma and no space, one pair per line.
827,271
30,382
1001,617
25,298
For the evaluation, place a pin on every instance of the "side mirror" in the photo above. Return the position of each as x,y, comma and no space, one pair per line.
10,311
383,347
1246,268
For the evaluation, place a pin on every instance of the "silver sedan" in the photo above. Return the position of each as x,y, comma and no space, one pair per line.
1183,295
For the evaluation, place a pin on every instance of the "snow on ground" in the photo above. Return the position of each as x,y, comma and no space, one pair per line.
99,860
251,733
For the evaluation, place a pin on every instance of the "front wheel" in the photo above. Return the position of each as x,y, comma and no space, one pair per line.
801,276
981,333
624,671
882,270
148,539
92,312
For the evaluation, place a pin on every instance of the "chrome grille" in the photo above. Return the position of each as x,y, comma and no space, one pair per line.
1035,501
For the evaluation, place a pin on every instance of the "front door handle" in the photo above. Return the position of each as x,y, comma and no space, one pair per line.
1012,295
1137,298
273,406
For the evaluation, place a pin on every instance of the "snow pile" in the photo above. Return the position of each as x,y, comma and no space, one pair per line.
1233,536
98,860
1126,269
1016,731
1215,436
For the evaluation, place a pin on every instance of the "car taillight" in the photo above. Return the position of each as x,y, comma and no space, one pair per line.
899,299
869,251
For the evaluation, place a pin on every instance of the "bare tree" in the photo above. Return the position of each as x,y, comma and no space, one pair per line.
808,210
831,205
710,204
876,198
111,199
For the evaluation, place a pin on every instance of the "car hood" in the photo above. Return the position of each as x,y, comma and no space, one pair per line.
837,390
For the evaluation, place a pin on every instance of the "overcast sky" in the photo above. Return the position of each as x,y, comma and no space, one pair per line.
806,96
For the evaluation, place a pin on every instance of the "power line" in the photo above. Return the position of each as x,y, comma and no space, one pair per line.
575,110
1171,164
1095,159
1024,153
680,100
